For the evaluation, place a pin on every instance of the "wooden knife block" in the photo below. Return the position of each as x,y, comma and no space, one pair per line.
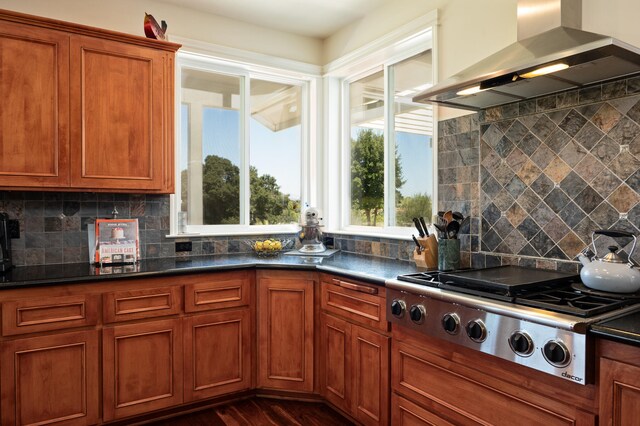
429,256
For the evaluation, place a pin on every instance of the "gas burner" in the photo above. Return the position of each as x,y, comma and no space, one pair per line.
570,301
429,278
579,287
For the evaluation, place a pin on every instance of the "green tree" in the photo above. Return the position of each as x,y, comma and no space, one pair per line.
410,207
367,173
268,204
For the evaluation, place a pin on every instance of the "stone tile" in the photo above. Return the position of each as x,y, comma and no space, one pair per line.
72,223
589,167
504,174
624,165
633,85
585,228
573,153
503,248
33,208
526,107
516,160
503,200
35,256
543,128
529,172
529,200
634,147
52,256
52,208
557,200
542,186
625,131
34,240
572,215
572,184
504,125
529,120
556,229
614,89
492,135
516,132
626,104
33,224
567,99
515,241
606,150
556,253
546,264
604,215
590,94
491,214
572,123
588,199
528,250
589,110
491,240
558,115
542,243
72,255
547,103
528,228
51,224
543,214
634,181
634,110
623,198
516,214
606,117
557,170
493,114
504,147
53,240
515,187
490,160
634,215
529,143
543,156
503,227
491,186
571,245
491,261
589,136
557,140
605,183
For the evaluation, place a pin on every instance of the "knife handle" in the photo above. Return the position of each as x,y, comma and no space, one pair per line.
416,222
424,226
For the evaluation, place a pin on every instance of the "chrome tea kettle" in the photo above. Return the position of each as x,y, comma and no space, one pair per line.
610,273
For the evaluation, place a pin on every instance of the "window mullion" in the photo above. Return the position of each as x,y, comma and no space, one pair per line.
389,149
245,151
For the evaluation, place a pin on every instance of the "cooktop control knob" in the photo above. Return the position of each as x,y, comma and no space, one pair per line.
521,343
417,313
476,330
398,308
451,323
556,353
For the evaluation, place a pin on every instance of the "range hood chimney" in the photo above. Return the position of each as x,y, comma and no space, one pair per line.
552,54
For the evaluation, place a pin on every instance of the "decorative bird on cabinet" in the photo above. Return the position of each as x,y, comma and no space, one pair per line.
153,30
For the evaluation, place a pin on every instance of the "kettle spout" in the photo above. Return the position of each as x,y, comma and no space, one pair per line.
585,257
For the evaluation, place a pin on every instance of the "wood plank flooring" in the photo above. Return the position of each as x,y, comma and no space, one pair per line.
261,412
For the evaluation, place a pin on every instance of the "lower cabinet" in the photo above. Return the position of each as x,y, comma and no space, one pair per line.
356,370
619,383
51,379
406,413
217,354
142,367
285,330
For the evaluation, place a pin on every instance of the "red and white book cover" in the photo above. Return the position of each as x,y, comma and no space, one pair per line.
117,241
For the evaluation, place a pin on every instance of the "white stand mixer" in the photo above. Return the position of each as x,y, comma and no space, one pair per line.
310,235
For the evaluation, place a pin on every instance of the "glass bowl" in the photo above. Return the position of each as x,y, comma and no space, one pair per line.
270,247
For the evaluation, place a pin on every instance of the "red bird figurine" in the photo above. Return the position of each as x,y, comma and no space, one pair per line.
152,29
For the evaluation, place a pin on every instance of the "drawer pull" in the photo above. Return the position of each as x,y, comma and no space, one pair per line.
356,287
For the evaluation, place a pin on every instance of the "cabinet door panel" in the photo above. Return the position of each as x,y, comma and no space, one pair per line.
619,393
336,347
370,354
142,367
34,118
118,105
51,379
286,334
217,354
406,413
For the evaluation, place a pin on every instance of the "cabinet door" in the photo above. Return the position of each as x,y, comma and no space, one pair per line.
51,379
619,393
370,355
336,350
142,367
217,354
34,118
285,333
406,413
119,99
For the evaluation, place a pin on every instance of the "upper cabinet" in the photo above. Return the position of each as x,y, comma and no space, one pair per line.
85,109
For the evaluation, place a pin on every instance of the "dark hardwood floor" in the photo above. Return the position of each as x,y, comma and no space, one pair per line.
261,412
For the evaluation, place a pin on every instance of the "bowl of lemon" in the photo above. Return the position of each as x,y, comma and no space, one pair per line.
270,247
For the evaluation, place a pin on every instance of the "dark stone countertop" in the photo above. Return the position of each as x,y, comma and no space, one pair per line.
368,268
625,328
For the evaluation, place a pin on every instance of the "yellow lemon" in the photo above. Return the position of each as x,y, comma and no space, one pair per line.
258,245
278,245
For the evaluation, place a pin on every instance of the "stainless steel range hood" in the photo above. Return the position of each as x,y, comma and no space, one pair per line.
552,54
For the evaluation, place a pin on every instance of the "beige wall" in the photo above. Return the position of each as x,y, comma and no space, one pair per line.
127,16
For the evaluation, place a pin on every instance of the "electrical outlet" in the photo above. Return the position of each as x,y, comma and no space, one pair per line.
328,242
14,228
183,246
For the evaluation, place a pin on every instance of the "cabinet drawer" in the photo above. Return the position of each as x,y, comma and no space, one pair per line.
361,303
230,291
137,304
50,313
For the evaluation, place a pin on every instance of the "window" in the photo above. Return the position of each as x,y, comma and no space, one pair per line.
389,146
241,150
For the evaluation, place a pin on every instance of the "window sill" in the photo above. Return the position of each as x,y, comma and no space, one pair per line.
403,234
240,231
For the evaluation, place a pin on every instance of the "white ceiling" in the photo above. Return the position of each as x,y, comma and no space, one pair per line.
312,18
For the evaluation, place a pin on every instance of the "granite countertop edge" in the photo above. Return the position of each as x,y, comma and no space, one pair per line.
624,329
368,268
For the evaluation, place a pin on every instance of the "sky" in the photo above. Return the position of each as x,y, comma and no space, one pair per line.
274,153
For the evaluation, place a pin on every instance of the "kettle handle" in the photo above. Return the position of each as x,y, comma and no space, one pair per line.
614,233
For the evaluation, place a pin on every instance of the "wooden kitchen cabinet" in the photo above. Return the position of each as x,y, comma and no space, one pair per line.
355,349
84,109
34,118
619,384
141,367
286,330
51,379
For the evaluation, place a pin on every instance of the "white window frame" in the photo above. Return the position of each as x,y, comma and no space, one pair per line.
416,37
215,59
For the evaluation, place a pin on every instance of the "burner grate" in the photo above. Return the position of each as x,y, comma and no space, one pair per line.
567,300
